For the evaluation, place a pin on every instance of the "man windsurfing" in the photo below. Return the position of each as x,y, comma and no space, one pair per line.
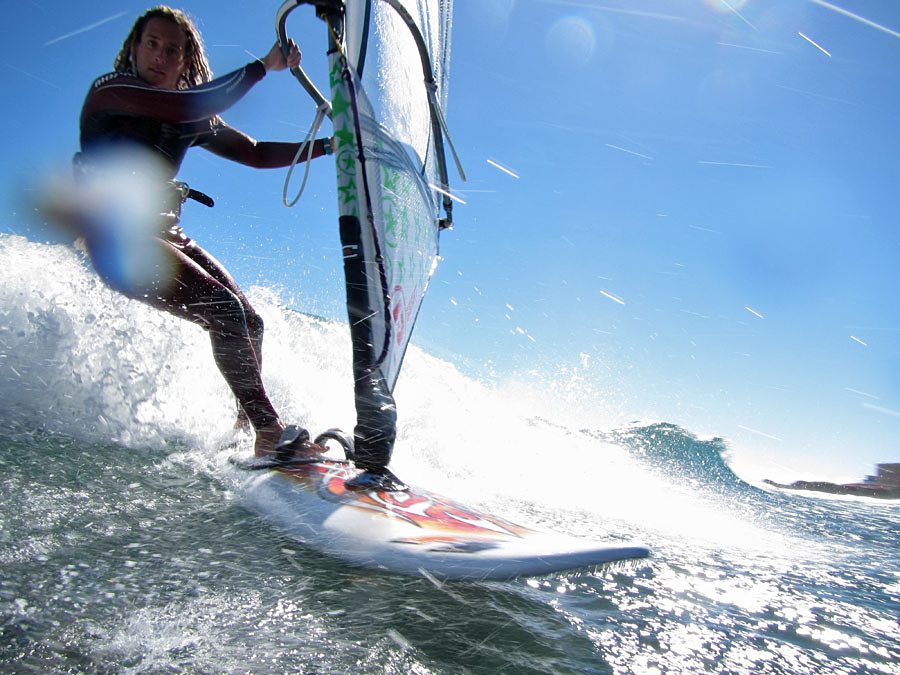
139,121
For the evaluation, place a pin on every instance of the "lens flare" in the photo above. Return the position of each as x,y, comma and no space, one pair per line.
570,41
496,11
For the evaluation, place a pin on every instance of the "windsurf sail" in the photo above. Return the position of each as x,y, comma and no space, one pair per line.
388,71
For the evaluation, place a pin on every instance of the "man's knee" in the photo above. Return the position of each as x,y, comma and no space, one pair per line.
255,324
223,312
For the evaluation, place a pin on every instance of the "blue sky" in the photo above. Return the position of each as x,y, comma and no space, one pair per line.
701,224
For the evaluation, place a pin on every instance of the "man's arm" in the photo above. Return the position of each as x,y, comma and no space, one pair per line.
123,93
230,143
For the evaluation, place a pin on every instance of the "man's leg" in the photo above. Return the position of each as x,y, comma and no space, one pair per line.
185,289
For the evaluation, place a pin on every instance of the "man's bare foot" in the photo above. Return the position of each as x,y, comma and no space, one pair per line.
267,438
307,450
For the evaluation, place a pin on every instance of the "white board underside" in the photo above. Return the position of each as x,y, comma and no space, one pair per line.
414,532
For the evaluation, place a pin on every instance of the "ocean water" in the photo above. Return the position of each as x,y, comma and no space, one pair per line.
124,547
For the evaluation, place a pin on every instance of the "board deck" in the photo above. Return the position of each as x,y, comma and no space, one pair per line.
413,531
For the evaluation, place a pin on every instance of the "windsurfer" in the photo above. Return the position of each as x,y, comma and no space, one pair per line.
160,101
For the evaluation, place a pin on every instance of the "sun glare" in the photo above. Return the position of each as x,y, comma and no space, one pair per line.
726,5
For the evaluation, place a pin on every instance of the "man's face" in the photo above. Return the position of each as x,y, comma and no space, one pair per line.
159,56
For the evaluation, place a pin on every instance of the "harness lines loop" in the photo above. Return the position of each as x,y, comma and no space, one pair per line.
321,111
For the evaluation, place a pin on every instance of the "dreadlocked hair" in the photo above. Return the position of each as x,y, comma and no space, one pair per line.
198,70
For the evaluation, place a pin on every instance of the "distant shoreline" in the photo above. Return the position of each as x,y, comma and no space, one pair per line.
853,489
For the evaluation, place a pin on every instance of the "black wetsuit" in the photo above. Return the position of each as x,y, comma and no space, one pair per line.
123,109
122,112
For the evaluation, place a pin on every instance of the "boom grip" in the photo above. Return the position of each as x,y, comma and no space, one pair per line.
281,35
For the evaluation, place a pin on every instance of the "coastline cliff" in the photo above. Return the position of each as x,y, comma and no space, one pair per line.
885,484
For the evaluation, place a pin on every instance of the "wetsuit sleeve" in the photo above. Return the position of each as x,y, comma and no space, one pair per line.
118,92
230,143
